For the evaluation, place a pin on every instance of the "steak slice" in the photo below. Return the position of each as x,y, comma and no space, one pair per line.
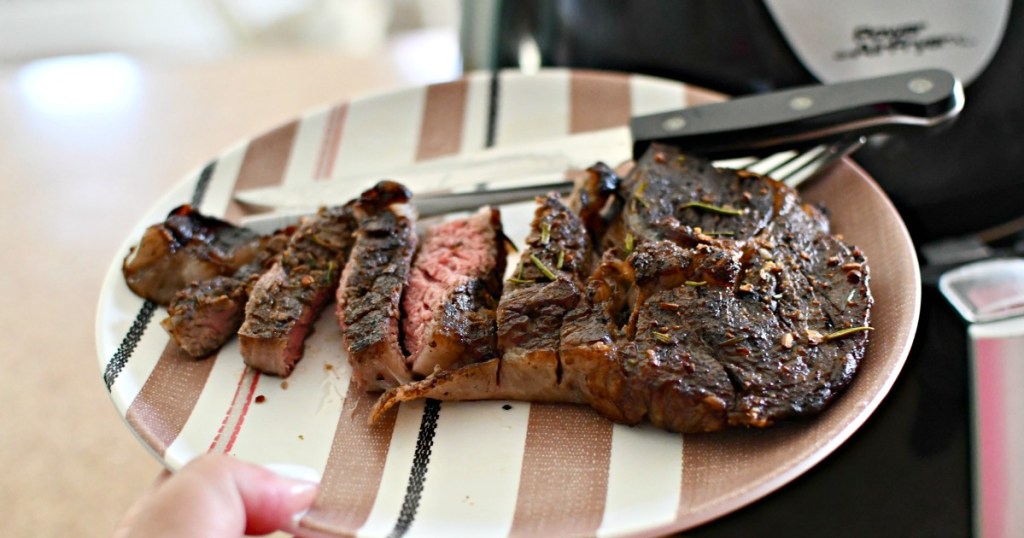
370,294
186,247
545,288
286,299
596,200
697,329
206,314
450,301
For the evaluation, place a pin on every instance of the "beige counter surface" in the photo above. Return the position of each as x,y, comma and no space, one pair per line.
87,144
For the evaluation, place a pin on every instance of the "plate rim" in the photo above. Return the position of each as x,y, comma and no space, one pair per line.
682,521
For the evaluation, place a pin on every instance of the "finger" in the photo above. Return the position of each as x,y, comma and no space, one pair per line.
128,521
219,496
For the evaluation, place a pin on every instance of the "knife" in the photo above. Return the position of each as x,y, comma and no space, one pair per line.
746,126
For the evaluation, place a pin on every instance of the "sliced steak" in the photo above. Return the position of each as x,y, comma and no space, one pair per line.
206,314
188,246
449,305
286,299
734,307
596,200
370,294
544,289
547,285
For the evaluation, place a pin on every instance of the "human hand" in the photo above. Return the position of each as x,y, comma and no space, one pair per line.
217,496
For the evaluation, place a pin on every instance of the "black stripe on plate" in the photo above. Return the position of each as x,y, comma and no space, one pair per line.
202,183
127,347
492,108
413,492
145,315
428,424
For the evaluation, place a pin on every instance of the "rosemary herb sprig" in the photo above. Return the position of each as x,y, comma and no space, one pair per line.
713,208
543,268
845,332
545,233
733,340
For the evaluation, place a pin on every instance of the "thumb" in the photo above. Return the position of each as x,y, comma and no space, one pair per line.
217,496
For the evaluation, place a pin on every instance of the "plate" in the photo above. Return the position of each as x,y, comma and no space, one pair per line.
475,468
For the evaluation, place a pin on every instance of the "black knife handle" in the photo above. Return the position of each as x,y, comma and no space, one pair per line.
763,123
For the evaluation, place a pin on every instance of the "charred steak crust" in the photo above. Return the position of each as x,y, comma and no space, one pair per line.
449,305
206,314
370,293
285,300
720,300
186,247
547,282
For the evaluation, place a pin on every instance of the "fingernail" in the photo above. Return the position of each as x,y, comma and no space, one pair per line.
301,494
297,519
295,471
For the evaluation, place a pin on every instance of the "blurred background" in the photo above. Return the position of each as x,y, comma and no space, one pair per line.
104,104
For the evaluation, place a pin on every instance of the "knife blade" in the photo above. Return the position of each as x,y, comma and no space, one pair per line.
746,126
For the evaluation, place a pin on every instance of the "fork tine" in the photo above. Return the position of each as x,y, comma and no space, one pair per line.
800,173
794,167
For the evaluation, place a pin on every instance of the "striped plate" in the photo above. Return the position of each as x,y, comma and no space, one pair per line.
475,468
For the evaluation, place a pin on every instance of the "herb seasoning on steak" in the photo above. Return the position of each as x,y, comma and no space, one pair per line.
733,306
286,299
544,288
370,293
449,304
206,314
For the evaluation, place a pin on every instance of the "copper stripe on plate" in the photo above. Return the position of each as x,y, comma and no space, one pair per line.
163,405
598,101
353,472
700,96
264,164
351,478
564,480
443,114
332,138
170,393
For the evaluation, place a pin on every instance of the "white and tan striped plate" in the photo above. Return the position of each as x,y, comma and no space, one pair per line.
475,468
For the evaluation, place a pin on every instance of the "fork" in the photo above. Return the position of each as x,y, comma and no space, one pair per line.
792,167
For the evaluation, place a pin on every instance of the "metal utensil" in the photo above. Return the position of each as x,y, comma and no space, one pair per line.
757,125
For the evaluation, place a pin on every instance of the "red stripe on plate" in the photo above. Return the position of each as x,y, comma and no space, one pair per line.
245,410
235,415
227,415
332,139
